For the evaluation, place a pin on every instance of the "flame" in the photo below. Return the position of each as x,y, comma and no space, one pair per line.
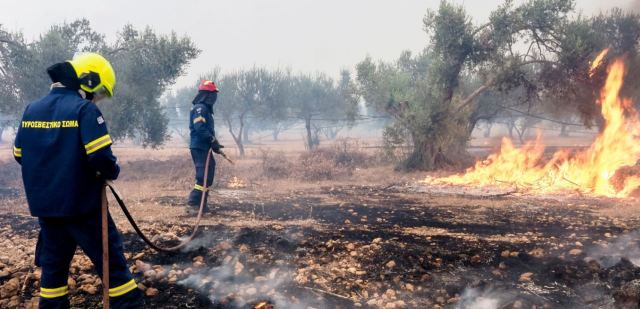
236,183
589,171
263,305
596,62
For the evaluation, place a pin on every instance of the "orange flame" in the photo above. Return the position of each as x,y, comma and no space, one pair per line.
590,171
596,62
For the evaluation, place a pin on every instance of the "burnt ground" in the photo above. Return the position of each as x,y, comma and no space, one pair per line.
376,246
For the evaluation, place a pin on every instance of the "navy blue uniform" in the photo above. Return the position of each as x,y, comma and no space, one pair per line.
63,145
202,139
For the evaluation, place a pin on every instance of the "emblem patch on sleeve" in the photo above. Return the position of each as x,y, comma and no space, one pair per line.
100,120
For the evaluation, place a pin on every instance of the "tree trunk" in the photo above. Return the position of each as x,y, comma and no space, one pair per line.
423,156
521,133
487,132
307,125
237,138
245,135
563,131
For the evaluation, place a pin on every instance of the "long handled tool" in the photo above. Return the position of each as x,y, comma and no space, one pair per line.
118,197
105,250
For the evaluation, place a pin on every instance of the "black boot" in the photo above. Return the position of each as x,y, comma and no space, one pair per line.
194,201
131,300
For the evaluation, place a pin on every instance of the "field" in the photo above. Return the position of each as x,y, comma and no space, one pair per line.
342,229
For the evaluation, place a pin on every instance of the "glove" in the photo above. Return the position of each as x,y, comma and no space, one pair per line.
216,147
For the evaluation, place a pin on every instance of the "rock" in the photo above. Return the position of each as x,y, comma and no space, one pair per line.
142,266
476,259
517,305
89,289
151,292
251,291
377,240
391,264
409,287
71,283
575,252
32,303
627,296
238,267
244,248
151,274
390,293
351,247
537,252
505,254
198,258
138,256
225,245
401,304
14,302
526,277
10,288
198,264
4,274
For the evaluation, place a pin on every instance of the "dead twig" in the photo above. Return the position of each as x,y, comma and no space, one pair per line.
499,194
328,293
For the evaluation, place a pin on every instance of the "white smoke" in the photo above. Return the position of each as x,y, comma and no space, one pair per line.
476,299
610,253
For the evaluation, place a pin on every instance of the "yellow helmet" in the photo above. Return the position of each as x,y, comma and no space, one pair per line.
95,73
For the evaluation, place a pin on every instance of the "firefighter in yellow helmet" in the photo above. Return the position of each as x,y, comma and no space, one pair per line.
65,151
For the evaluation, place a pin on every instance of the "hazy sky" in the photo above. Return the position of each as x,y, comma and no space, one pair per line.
305,35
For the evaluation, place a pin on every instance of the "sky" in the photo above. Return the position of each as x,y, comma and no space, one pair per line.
303,35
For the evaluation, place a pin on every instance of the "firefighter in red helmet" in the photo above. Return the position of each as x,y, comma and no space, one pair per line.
203,138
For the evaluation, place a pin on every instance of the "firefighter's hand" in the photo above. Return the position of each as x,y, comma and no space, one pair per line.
216,147
218,150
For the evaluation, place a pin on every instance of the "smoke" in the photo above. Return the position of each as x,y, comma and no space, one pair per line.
625,246
634,5
474,299
233,283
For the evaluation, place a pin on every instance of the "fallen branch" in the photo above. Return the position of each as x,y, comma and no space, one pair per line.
328,293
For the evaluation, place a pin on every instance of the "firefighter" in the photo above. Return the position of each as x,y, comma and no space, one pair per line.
65,151
203,138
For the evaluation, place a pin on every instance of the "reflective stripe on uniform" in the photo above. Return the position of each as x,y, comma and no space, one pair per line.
17,152
53,293
199,187
98,144
123,289
199,119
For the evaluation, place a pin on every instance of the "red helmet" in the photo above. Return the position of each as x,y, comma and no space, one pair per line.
207,85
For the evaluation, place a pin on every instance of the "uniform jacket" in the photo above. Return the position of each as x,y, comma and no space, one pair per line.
65,151
201,126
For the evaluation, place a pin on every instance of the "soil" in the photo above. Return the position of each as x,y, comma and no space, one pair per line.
374,243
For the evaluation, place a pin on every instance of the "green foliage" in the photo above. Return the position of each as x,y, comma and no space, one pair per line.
531,53
145,63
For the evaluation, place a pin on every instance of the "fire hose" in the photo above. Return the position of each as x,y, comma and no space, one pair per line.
118,197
